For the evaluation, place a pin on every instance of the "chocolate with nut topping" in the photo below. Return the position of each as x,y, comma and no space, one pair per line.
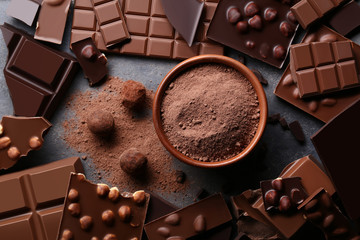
18,136
95,211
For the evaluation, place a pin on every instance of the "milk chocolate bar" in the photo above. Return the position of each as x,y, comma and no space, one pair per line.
37,75
151,33
23,10
18,136
309,11
336,143
91,60
111,21
52,19
262,29
323,108
346,19
31,202
95,211
190,221
323,67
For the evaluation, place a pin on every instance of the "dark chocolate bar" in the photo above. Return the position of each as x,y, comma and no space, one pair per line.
323,108
111,21
91,60
337,144
37,76
51,21
262,29
23,10
18,136
309,11
323,67
190,221
346,19
95,211
31,202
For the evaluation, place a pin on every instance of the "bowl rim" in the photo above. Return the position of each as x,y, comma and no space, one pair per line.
203,59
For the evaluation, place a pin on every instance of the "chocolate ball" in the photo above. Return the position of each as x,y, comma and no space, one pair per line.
100,123
134,94
133,162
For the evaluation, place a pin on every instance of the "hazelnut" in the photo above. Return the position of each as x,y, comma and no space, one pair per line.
100,123
88,52
251,9
242,26
74,209
67,235
1,129
102,190
286,29
124,213
290,15
264,50
255,22
250,44
114,194
110,236
271,197
233,14
279,52
134,94
270,14
86,223
108,217
35,143
139,197
13,153
73,195
4,142
284,204
277,184
133,162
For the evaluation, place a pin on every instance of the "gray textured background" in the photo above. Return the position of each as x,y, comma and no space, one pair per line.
281,145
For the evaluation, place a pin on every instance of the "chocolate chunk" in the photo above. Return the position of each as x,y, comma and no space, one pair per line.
101,123
35,92
260,77
201,194
23,10
283,123
346,19
39,220
274,118
133,94
297,131
20,135
133,162
91,60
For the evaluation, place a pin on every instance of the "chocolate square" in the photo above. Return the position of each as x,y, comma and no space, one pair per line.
327,79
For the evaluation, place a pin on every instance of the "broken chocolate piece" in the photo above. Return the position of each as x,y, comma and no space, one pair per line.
260,77
346,19
283,123
23,10
20,135
296,130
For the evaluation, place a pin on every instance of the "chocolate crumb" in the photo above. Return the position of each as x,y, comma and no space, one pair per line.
283,123
274,118
259,75
297,131
84,157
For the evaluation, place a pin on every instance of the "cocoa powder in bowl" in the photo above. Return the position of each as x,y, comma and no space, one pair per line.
210,112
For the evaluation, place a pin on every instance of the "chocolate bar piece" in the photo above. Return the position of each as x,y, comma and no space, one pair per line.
23,10
186,26
191,220
322,212
151,33
283,194
309,11
32,201
312,177
346,19
296,130
111,21
52,19
94,211
262,29
37,76
91,60
323,108
323,67
337,144
18,136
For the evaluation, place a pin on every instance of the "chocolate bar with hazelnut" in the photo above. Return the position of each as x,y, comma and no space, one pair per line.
31,202
18,136
96,211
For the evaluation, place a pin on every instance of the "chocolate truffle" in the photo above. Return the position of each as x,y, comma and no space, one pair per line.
134,94
100,123
133,162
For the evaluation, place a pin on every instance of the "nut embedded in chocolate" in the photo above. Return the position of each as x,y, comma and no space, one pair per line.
173,219
270,14
124,213
163,231
175,238
233,14
110,236
139,197
4,142
100,122
73,195
88,52
279,52
250,44
102,190
296,196
74,209
67,235
1,130
286,29
255,22
271,197
133,162
328,38
35,143
242,26
277,184
328,221
13,153
108,217
199,224
114,194
284,204
134,94
291,17
86,223
251,9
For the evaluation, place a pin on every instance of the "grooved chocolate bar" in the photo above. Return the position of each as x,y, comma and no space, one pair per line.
308,11
32,200
323,108
346,19
24,10
37,76
191,220
94,211
111,21
151,33
323,67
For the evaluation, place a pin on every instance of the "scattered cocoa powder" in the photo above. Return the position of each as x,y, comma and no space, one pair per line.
210,112
131,130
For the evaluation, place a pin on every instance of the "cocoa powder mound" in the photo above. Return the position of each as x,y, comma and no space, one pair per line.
131,130
210,112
